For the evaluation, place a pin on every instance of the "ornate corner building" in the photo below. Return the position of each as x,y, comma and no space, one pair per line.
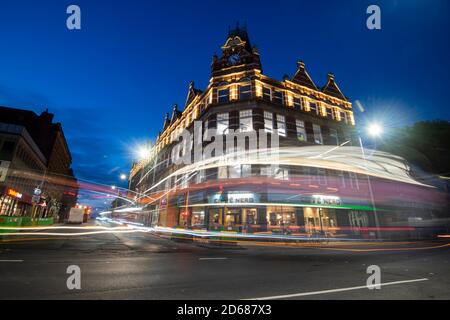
302,197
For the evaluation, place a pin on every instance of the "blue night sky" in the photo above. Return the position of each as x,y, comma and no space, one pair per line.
111,82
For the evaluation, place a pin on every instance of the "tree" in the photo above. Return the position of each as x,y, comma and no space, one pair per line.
425,144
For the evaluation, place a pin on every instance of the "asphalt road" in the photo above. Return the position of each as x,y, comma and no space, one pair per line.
144,266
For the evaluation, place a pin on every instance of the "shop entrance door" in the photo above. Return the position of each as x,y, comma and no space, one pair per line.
233,219
215,218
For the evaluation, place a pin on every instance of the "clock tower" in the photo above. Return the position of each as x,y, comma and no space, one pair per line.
237,54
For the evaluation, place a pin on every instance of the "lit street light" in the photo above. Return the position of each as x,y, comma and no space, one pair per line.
374,129
123,177
143,152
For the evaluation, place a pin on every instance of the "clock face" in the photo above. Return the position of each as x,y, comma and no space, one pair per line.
234,59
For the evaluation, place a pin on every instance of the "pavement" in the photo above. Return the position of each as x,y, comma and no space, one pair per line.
146,266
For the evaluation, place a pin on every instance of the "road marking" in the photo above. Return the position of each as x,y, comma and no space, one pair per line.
335,290
11,260
212,258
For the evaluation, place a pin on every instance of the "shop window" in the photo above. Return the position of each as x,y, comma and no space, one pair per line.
223,95
281,124
215,216
250,216
245,120
301,132
198,218
281,216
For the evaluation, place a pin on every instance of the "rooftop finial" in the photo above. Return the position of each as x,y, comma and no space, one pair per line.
300,64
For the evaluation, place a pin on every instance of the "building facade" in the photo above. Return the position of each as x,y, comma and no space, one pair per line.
301,195
35,166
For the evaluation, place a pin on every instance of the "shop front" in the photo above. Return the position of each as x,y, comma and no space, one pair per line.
14,203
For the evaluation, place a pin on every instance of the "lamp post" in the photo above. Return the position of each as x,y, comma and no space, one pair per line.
374,130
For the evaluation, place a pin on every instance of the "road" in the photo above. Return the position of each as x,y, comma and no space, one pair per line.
145,266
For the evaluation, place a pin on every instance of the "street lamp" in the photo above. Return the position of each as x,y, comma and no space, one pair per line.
375,129
143,152
123,177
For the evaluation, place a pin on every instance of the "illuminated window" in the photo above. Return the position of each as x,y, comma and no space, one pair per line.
334,139
268,121
245,120
342,176
234,171
205,129
298,103
223,95
266,171
281,124
278,97
222,123
301,132
201,177
245,92
353,180
317,134
223,173
322,176
246,170
267,94
282,174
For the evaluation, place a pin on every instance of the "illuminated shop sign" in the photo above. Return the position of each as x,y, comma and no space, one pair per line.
230,197
324,199
14,193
